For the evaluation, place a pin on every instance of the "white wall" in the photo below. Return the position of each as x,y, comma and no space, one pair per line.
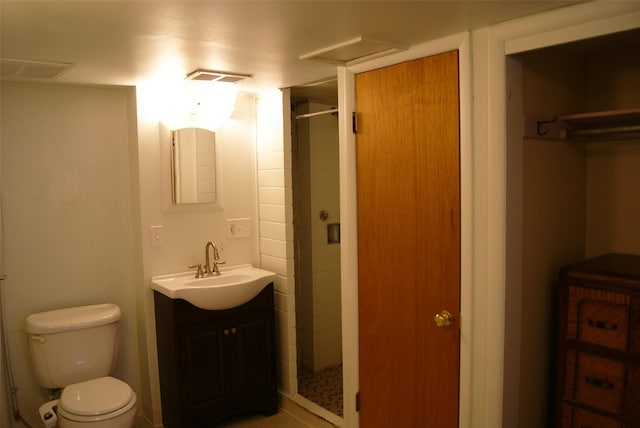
4,399
73,174
613,167
68,210
187,228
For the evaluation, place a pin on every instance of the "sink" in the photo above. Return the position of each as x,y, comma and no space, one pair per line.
234,286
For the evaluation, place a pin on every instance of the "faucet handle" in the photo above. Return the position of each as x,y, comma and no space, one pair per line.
199,270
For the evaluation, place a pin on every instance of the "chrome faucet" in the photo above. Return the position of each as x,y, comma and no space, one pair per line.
208,269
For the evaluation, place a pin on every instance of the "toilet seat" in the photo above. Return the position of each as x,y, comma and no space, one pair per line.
96,400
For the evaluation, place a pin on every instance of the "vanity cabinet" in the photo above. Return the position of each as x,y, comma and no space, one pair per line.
215,364
598,382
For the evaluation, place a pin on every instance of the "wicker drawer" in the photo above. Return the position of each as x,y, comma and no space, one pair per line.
595,381
575,417
598,384
598,317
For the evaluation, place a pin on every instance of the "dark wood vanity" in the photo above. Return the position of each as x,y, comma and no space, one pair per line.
598,382
215,364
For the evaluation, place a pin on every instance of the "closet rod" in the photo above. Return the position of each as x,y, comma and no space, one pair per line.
571,133
318,113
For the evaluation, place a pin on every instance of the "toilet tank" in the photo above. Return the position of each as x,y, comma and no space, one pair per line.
74,344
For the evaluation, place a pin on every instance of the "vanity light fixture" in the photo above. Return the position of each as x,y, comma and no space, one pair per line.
202,100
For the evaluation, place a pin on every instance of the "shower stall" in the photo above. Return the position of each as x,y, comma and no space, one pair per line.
316,205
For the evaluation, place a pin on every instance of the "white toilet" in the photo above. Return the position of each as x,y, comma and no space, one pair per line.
76,349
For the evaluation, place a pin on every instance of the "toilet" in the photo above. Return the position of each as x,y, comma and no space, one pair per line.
76,349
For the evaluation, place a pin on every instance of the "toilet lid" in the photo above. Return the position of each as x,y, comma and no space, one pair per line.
96,396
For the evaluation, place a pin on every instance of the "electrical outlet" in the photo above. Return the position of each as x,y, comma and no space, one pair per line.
155,236
238,228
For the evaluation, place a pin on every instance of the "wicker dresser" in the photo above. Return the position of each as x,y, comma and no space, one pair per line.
598,382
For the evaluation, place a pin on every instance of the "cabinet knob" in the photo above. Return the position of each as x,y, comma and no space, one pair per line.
443,319
233,330
226,332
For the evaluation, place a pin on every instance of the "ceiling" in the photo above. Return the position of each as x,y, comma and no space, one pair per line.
130,42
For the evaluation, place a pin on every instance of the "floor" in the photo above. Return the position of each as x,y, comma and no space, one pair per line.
323,387
279,420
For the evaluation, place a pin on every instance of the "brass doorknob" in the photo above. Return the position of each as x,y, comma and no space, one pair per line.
443,319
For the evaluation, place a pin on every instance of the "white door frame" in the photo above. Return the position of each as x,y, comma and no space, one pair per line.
483,192
491,46
348,210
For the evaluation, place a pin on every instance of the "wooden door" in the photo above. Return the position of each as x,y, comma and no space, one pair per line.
409,242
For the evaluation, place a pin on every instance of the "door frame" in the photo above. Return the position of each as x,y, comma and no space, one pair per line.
348,210
492,131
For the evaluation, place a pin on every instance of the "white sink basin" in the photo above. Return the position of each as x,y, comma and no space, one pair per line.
234,286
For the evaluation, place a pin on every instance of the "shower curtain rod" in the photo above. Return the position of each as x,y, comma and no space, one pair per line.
318,113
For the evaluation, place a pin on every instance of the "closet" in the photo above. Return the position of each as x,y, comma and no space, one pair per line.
573,192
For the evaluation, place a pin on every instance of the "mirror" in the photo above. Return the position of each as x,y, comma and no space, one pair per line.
193,166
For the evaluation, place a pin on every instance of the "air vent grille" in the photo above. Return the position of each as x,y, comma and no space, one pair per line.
352,51
26,69
216,76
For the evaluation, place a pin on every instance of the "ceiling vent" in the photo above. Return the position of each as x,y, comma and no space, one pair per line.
216,76
25,69
354,50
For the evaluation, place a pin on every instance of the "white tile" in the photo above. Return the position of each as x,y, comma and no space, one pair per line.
292,339
272,195
274,264
285,284
269,139
284,301
271,160
289,374
281,319
272,212
273,230
285,319
271,178
286,338
273,247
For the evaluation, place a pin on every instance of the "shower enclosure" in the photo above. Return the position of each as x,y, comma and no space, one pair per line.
317,244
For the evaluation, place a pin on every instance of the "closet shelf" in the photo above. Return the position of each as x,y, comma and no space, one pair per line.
596,126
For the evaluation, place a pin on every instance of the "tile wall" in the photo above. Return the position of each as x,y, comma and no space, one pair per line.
276,226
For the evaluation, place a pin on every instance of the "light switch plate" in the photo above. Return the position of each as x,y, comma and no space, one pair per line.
238,228
155,236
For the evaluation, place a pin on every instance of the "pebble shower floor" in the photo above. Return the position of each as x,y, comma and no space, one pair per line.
323,387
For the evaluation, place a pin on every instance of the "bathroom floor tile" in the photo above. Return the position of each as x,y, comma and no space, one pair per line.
323,387
279,420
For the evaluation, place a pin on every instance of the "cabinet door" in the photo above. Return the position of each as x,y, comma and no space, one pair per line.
251,355
200,362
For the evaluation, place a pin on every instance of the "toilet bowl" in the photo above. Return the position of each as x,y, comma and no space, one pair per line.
74,350
105,402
